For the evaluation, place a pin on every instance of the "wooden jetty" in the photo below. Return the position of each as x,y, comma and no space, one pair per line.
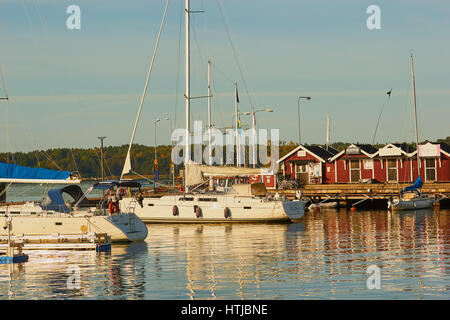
99,242
377,194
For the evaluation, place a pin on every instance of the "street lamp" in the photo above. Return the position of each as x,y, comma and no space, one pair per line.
155,161
172,166
298,104
101,154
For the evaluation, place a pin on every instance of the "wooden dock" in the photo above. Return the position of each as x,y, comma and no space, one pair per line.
377,193
98,242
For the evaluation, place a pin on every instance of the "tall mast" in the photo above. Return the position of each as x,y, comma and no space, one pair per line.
236,122
328,131
415,114
209,112
188,88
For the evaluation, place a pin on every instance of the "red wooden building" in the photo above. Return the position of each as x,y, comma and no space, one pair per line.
364,163
308,164
354,164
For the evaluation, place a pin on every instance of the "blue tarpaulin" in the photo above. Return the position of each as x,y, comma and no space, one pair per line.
417,185
56,201
14,171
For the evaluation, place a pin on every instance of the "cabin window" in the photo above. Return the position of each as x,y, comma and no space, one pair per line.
355,173
247,207
58,223
208,199
15,212
186,199
392,169
430,169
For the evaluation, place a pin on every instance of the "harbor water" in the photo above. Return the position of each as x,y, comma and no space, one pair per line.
332,254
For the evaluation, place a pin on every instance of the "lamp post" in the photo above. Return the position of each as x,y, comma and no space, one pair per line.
101,154
172,166
156,159
298,104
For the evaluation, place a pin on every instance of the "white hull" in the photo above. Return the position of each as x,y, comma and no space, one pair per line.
121,227
411,204
241,209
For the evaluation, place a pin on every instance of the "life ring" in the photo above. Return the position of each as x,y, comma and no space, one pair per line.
113,207
175,211
198,212
227,213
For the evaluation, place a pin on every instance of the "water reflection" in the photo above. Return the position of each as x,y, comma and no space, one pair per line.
324,256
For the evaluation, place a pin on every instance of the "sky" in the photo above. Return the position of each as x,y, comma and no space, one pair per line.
67,87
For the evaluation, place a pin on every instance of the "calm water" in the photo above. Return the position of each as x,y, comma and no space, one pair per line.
324,257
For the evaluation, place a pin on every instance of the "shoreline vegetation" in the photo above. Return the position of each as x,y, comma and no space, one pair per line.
86,161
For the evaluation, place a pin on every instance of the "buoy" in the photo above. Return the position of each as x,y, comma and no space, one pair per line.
353,209
316,209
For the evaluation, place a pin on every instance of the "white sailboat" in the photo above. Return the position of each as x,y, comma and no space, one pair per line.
410,198
241,203
59,216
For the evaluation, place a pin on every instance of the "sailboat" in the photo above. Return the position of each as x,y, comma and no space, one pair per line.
241,203
57,214
410,198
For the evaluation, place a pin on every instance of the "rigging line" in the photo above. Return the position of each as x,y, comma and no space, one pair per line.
217,100
63,69
75,163
222,72
234,53
51,160
379,117
146,85
4,85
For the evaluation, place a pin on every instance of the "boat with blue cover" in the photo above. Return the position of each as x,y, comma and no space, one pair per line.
67,211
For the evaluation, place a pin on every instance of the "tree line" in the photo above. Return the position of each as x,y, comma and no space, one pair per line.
86,162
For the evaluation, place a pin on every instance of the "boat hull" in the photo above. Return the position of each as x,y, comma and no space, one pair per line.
411,204
120,227
170,209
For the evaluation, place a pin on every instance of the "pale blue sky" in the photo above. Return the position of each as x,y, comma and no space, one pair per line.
67,87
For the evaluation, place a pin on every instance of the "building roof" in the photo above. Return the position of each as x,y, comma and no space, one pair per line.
405,147
446,148
365,149
317,151
369,149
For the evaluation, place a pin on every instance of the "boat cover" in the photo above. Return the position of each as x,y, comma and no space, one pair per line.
14,171
417,185
55,201
194,173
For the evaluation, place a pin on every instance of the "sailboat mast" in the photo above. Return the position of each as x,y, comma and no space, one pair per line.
415,114
209,112
328,131
236,123
188,84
